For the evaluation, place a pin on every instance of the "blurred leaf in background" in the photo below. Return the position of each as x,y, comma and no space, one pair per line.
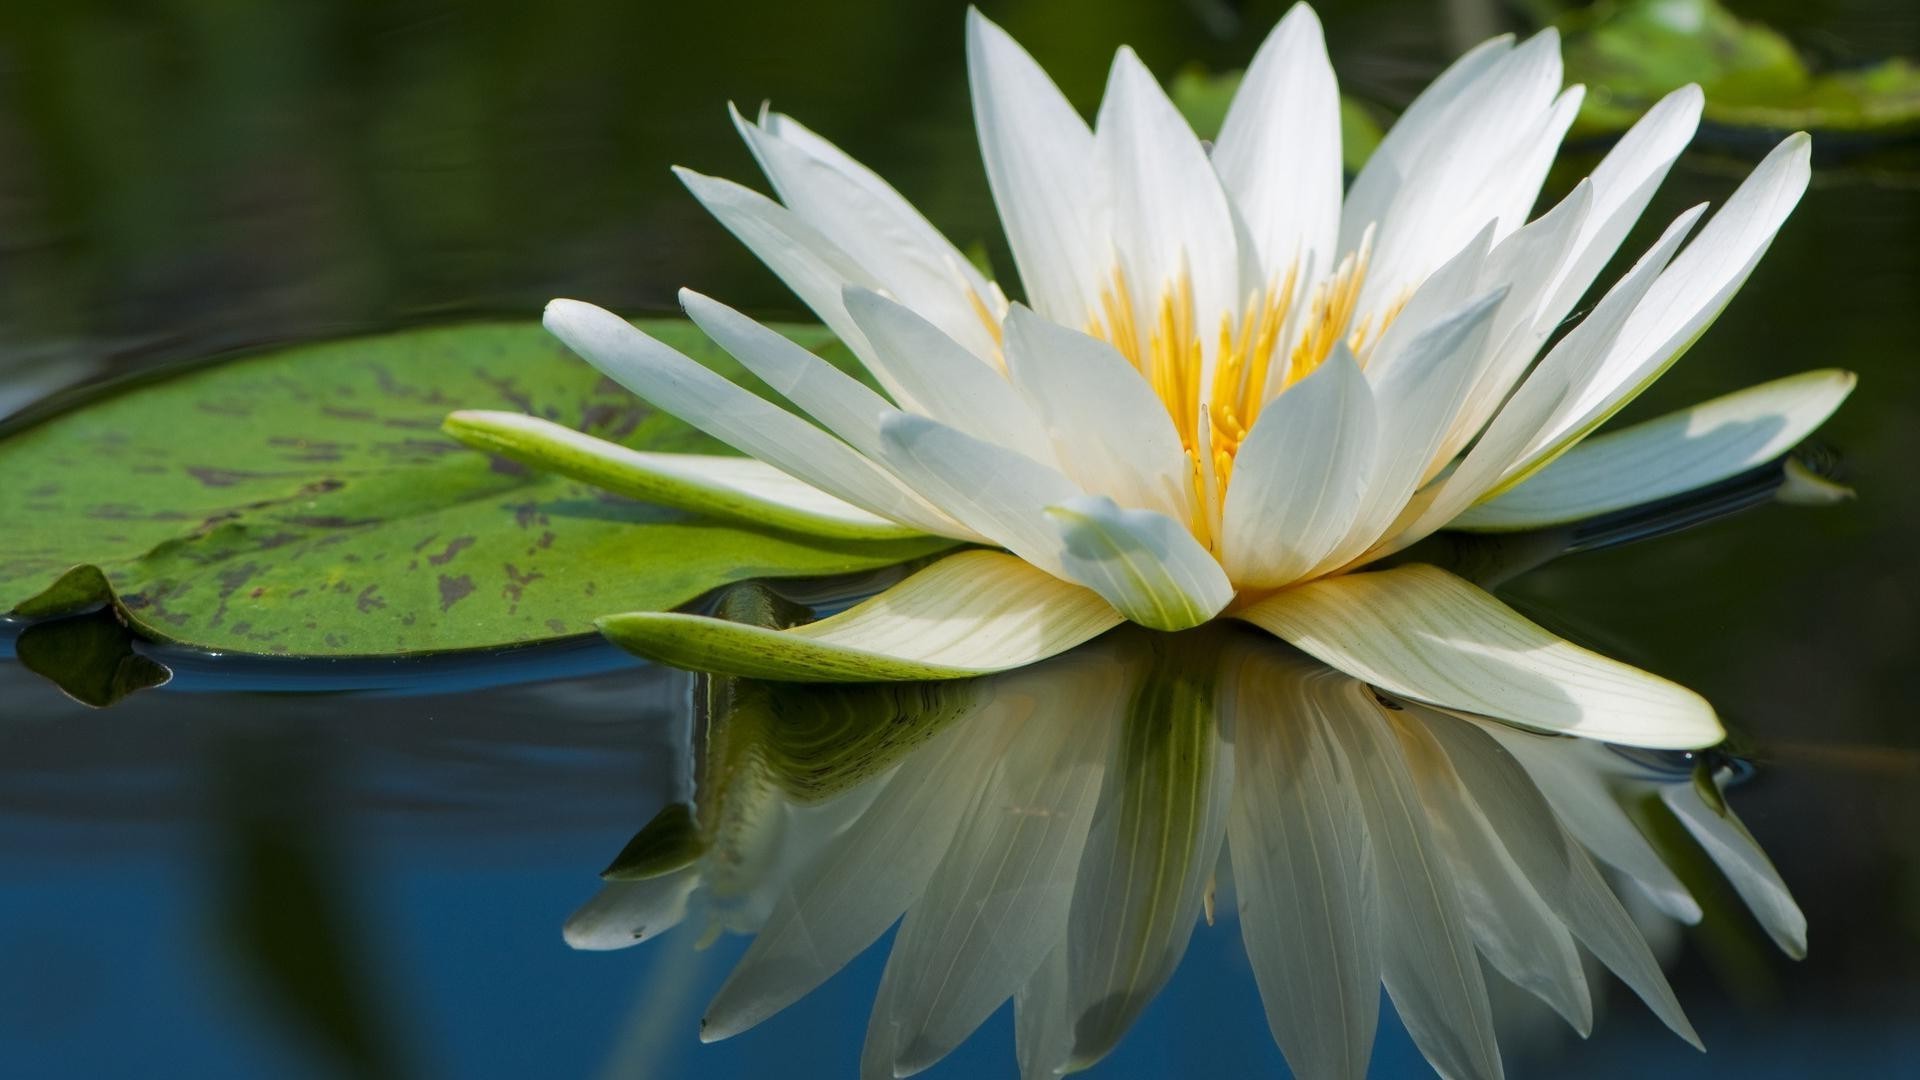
1631,53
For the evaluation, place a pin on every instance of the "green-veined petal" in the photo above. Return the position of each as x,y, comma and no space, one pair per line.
968,614
1424,633
1675,453
1145,563
732,487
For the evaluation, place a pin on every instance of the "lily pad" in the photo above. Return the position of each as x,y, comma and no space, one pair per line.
306,502
1632,53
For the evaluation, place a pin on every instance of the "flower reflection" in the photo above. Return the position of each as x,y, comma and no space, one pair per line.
1054,835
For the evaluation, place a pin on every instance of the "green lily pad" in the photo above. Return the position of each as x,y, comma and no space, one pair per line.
1203,96
306,502
1631,53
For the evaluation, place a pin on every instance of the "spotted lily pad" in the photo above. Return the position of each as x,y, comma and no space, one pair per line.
305,502
1633,52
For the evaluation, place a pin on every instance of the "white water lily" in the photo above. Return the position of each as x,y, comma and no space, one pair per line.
1057,835
1231,384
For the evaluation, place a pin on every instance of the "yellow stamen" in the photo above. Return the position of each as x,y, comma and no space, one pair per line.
1214,406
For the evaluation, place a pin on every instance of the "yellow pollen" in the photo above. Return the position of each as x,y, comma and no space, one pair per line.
1214,406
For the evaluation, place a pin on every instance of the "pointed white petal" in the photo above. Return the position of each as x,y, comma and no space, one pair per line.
968,614
732,487
1416,395
866,218
1109,429
1278,153
1676,453
1734,850
1170,217
1623,184
997,492
737,417
1299,476
1552,862
1512,926
1039,158
1462,163
1303,865
814,267
1687,297
839,401
1427,957
1524,263
1145,564
1419,631
944,381
1501,451
999,901
1378,182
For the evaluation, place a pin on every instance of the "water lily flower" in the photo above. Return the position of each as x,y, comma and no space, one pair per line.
1056,835
1230,386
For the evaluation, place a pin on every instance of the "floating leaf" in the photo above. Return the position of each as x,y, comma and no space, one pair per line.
1203,96
306,502
1632,53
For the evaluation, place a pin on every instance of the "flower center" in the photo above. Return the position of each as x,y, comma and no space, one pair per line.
1276,340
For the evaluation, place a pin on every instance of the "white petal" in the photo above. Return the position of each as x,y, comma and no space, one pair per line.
1170,215
737,417
1676,453
1039,158
1553,863
814,267
1145,564
1461,163
1303,864
1299,475
866,218
1278,153
999,900
1688,296
1419,631
1415,399
1385,172
1501,451
1109,430
1623,184
1524,263
733,487
998,493
944,381
968,614
1427,957
1734,850
842,403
